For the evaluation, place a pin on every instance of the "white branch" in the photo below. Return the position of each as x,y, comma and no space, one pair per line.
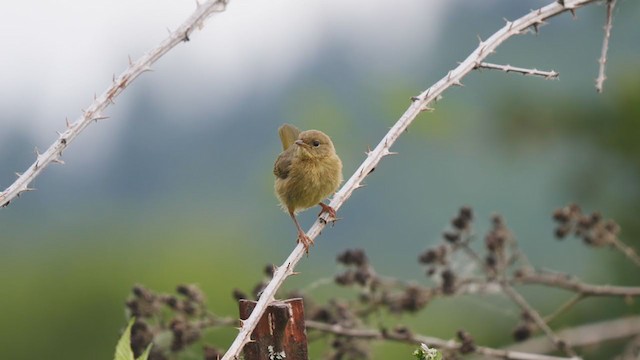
605,46
524,71
95,111
419,103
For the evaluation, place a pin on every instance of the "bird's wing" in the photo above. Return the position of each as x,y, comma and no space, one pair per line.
288,134
283,164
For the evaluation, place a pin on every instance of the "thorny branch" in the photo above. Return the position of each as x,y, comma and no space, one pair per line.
419,103
524,71
95,111
605,46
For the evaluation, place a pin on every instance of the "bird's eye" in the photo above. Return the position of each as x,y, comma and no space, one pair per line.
315,143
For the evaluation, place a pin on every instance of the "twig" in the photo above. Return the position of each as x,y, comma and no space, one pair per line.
585,335
417,339
564,307
535,316
524,71
628,251
564,282
419,103
605,46
95,111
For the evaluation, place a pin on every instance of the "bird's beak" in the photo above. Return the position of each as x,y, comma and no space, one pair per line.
300,143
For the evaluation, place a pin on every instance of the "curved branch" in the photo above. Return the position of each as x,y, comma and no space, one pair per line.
419,103
95,111
572,284
417,339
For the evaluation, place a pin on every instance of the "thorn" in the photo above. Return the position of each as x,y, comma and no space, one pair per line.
458,83
294,273
113,78
146,68
479,39
169,31
573,13
95,96
197,4
66,120
58,161
449,75
28,189
130,61
535,28
99,117
36,151
59,133
18,174
387,153
185,38
360,186
426,108
415,98
561,2
368,150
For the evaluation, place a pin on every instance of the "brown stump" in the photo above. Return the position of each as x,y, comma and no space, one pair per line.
280,333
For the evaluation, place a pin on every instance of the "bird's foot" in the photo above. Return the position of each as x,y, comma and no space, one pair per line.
329,210
305,240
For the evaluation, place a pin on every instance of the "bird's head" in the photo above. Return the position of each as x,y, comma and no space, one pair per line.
314,144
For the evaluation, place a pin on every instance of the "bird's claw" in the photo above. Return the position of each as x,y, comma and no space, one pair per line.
306,241
329,210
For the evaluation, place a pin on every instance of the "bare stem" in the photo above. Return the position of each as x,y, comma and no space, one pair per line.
564,307
585,335
535,316
562,281
605,46
524,71
628,251
95,111
418,339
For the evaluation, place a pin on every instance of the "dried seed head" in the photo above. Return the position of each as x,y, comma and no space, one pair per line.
355,257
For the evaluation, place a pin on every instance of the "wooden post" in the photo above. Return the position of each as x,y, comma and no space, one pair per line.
280,333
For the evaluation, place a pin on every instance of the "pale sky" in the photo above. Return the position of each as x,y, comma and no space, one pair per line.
57,54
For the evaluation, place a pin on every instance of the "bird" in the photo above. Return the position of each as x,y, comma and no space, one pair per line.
307,171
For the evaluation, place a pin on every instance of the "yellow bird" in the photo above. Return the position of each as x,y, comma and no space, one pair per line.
307,171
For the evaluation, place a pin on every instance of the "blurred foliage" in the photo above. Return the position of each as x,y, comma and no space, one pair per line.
605,129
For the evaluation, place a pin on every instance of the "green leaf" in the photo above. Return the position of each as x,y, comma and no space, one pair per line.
123,349
145,354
